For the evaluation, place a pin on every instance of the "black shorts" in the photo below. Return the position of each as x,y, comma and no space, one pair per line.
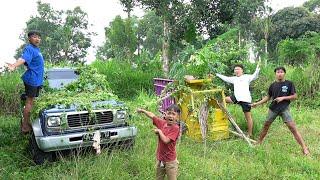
32,91
245,105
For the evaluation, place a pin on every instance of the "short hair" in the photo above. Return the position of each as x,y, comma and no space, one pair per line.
31,33
174,108
238,65
280,68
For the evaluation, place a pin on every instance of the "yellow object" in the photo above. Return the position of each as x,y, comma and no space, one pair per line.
217,122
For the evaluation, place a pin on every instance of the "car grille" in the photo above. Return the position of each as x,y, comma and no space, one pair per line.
82,120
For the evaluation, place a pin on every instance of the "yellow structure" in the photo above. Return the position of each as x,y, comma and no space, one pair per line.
217,122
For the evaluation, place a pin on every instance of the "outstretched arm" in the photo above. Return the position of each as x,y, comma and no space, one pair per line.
18,63
147,113
225,78
263,100
255,75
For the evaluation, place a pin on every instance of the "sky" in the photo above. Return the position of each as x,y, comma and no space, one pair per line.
15,13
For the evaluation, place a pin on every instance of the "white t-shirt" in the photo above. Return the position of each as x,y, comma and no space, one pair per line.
241,85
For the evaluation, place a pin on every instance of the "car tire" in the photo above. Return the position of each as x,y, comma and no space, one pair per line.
39,156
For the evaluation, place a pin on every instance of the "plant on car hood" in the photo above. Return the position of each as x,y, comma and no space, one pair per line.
89,87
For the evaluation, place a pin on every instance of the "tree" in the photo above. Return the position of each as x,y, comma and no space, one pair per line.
214,17
121,38
312,6
150,33
291,23
65,35
164,9
128,6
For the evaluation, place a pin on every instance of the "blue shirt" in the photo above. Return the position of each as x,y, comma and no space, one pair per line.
35,65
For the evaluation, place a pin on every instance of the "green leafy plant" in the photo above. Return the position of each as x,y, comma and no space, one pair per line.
88,88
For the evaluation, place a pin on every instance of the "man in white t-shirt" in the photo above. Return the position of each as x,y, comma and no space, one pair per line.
241,90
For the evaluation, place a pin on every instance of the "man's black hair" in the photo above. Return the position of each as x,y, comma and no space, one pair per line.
174,108
238,65
31,33
280,68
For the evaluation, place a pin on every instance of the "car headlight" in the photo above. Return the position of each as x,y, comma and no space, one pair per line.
53,121
121,114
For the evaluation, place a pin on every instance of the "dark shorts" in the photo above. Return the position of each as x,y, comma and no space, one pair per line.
285,114
245,105
32,91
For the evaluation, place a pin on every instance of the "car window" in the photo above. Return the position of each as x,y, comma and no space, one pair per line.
62,75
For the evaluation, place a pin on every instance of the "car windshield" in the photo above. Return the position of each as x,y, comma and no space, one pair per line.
62,74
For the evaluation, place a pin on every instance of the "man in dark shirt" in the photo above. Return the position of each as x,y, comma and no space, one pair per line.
281,92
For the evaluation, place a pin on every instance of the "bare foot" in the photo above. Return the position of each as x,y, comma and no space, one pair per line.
257,143
25,128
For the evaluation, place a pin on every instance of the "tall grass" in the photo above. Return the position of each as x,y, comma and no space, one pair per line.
125,80
279,157
10,89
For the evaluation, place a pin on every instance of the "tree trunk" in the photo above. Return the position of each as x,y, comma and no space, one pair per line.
138,44
239,38
165,48
266,36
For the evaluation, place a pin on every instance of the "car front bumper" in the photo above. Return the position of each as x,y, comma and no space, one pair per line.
78,140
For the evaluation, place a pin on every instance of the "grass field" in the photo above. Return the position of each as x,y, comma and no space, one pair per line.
279,157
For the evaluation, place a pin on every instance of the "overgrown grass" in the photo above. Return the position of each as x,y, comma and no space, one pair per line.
279,157
10,88
125,80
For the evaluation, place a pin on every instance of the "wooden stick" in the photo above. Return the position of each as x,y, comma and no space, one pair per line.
233,122
237,134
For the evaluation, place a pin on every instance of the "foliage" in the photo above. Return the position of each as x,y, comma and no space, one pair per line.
121,40
125,80
214,17
216,56
88,88
65,34
291,23
312,6
147,64
300,51
128,6
150,33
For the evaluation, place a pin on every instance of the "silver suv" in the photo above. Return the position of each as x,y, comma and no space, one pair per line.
51,135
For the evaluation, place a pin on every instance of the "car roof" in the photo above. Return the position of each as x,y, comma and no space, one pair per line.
60,69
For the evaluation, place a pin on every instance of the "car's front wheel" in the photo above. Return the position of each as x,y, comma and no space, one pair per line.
39,156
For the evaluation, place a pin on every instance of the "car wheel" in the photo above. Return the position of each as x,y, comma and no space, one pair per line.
39,156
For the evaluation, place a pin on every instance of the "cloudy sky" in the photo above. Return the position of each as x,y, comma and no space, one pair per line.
15,13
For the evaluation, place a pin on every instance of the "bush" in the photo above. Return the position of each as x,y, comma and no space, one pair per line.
300,51
126,81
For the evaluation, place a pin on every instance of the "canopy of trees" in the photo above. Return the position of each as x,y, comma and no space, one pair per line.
65,35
